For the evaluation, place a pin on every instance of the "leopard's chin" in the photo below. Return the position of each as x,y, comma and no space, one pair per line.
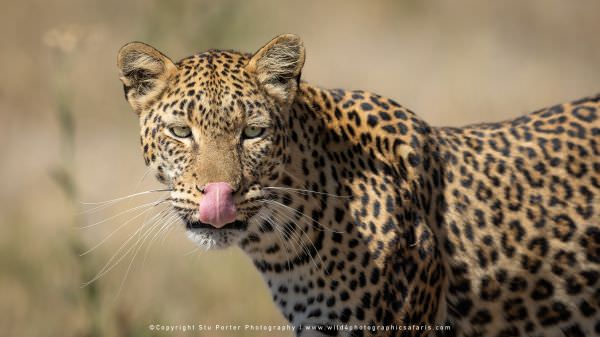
209,237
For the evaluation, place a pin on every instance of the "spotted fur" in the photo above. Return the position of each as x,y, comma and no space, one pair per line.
356,211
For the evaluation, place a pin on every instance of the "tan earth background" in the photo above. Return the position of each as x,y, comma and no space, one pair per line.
67,136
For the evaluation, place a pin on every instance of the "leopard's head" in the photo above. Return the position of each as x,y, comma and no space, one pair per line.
213,128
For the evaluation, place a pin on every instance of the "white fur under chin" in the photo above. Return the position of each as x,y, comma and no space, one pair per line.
203,240
213,239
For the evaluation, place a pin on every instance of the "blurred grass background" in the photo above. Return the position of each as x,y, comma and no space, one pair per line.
67,135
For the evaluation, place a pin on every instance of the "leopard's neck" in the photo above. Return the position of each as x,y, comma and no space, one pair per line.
351,210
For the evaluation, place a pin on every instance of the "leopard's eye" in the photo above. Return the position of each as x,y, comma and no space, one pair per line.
253,132
181,131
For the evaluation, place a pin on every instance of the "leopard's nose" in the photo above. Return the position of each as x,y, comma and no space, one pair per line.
216,206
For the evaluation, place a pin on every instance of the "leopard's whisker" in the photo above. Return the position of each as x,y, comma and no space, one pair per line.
192,251
167,232
167,224
296,240
303,233
116,230
302,182
306,192
307,250
148,170
109,265
128,196
137,250
279,237
150,204
321,226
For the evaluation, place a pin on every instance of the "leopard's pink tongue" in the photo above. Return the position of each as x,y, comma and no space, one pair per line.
217,207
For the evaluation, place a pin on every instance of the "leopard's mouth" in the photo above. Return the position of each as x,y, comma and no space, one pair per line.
236,225
208,236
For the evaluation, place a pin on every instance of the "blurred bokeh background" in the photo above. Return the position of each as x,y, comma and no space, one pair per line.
67,136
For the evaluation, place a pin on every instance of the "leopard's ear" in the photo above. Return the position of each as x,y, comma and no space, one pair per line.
144,72
278,65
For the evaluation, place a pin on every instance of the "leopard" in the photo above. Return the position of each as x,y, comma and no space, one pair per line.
363,219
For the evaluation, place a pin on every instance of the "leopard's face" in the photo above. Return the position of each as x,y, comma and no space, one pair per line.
202,132
213,131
